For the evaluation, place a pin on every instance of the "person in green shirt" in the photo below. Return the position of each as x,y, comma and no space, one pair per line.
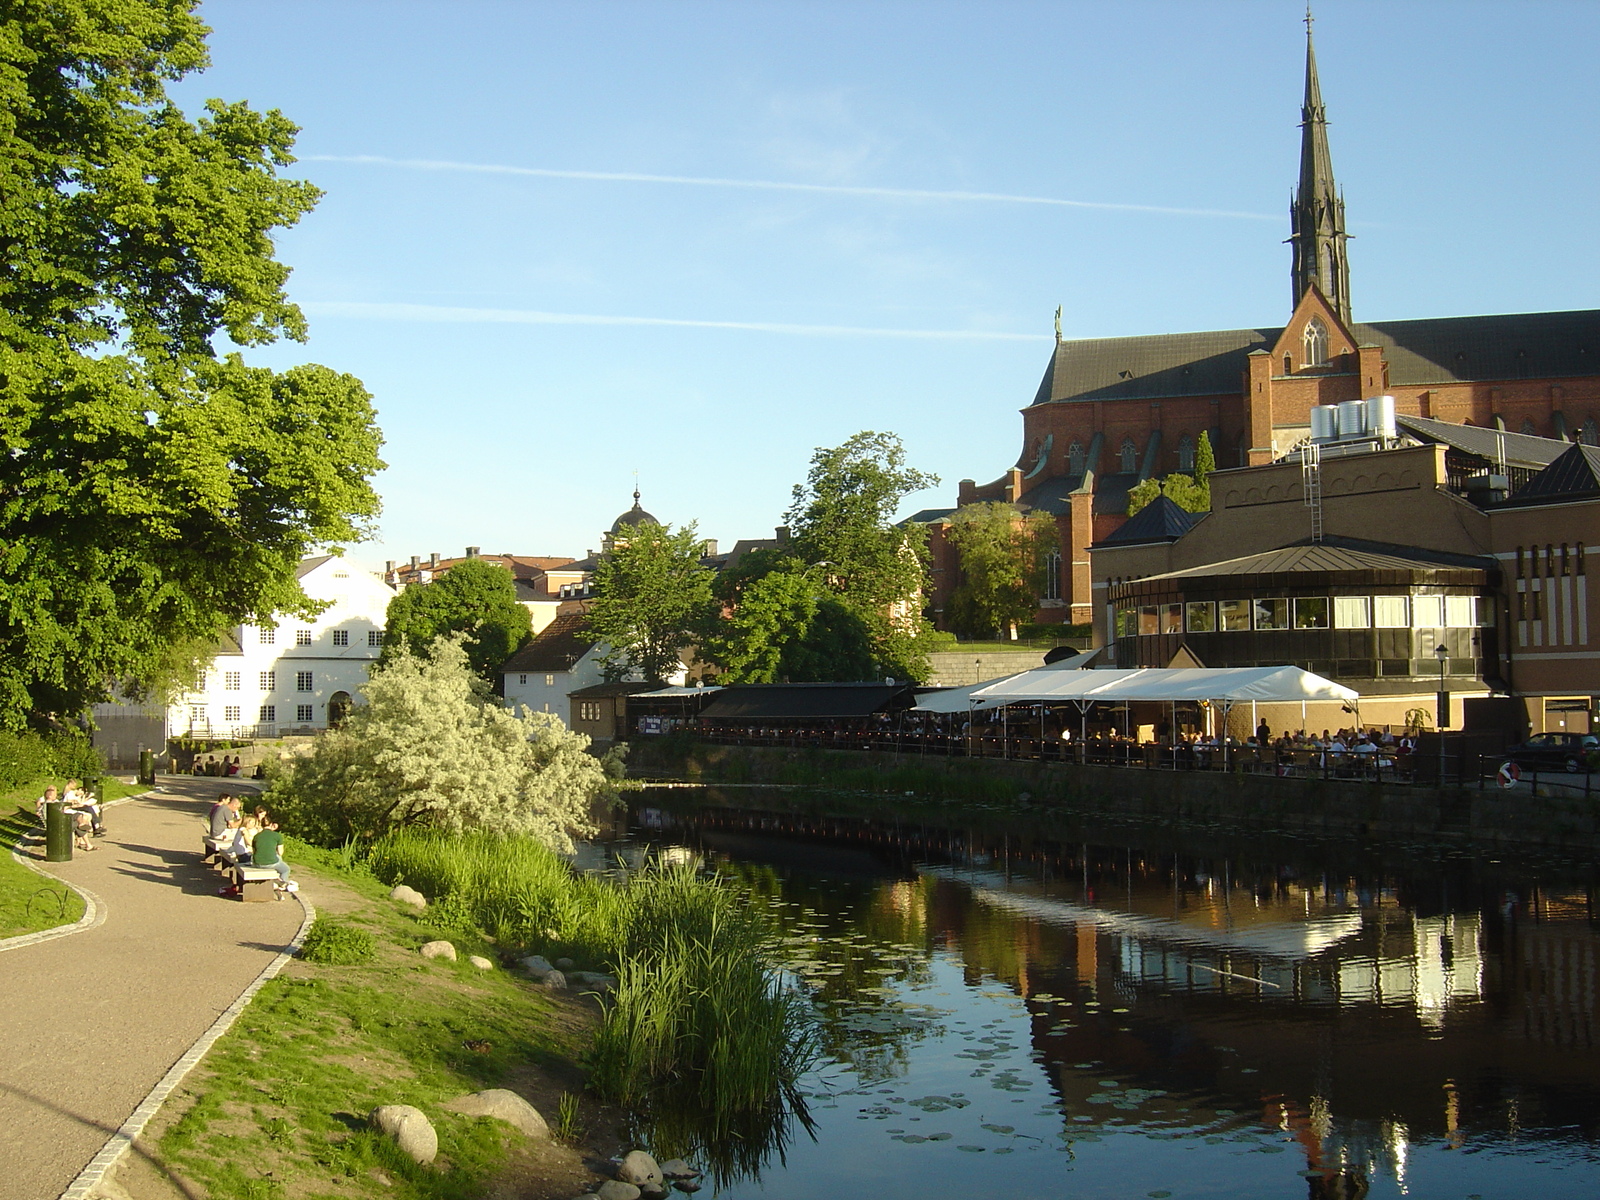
267,850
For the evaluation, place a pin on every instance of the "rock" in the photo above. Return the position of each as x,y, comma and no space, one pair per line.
110,1189
439,950
479,961
537,965
687,1185
502,1105
676,1168
564,964
555,981
407,895
410,1129
615,1189
639,1168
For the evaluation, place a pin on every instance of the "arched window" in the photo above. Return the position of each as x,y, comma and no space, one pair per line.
1288,365
1529,428
1130,457
1052,576
1315,339
1589,435
1186,453
1075,459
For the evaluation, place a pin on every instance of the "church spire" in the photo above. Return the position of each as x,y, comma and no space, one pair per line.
1317,215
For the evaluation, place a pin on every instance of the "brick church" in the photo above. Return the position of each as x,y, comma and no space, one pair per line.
1111,412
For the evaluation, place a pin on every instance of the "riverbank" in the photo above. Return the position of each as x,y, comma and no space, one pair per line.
1327,808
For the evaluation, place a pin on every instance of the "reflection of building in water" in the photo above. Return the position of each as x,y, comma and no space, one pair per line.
1550,967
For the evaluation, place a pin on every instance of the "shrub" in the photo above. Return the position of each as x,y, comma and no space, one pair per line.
335,944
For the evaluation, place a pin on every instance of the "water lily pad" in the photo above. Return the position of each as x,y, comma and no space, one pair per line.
971,1149
1000,1128
940,1137
910,1137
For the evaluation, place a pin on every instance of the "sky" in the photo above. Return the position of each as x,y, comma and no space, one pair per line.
562,243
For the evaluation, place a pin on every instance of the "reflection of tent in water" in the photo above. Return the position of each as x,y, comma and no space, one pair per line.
1288,940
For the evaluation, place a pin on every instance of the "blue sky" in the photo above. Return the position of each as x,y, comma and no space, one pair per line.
526,253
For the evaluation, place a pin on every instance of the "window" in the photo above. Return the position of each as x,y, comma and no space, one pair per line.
374,637
1391,612
303,712
1233,615
1352,612
199,682
1427,612
269,680
1200,616
1186,453
1311,612
1272,614
341,637
1589,435
1485,611
1052,575
268,636
522,680
1172,618
1127,622
1075,458
197,714
588,710
230,712
1458,612
549,681
302,681
302,637
230,681
269,712
1130,457
1149,620
1315,341
1288,365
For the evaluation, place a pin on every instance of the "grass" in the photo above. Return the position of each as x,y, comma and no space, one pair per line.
29,902
337,944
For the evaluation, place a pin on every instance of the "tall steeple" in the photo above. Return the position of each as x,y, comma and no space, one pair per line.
1317,215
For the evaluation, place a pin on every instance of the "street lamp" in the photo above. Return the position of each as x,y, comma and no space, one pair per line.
1442,704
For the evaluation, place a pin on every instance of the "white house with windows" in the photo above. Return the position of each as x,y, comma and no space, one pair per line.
298,675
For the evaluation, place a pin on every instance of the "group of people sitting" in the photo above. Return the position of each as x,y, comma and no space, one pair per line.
249,839
226,769
1344,741
81,806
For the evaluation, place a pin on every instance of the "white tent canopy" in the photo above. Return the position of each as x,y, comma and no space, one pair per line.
961,699
1228,684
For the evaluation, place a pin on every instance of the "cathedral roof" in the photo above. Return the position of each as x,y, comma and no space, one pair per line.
634,516
1439,350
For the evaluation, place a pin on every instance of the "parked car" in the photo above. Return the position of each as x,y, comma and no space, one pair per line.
1555,752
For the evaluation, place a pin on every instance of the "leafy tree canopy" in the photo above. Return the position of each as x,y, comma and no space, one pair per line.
474,598
1205,460
432,749
153,492
652,598
1004,557
843,519
1181,489
788,628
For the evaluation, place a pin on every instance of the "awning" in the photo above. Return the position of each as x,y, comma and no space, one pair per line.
956,699
805,701
669,692
1228,684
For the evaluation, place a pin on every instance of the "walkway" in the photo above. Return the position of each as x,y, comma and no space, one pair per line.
91,1022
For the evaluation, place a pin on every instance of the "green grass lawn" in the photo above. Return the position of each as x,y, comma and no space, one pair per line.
28,901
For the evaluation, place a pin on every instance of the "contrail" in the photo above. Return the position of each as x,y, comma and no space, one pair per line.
520,316
773,185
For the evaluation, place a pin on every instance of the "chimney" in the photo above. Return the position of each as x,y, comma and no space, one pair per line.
709,548
388,566
414,561
433,561
783,534
472,551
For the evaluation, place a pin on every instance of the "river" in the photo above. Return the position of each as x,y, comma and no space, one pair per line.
1020,1007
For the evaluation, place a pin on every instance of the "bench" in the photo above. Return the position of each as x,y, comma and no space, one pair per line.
256,883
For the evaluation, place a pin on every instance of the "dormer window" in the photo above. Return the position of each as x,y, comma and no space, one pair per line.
1130,457
1075,459
1315,340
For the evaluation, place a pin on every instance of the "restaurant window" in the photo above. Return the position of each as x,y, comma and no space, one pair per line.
1391,612
1458,612
1352,612
1311,612
1233,615
1127,622
1149,620
1427,612
1172,618
1272,614
1200,616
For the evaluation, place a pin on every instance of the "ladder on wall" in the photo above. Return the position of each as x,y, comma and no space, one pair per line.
1311,485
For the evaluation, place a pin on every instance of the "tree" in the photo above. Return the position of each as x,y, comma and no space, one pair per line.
843,518
1181,489
431,748
475,598
652,598
1004,556
153,490
788,628
1205,462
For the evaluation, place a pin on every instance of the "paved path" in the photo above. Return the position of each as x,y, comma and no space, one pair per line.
91,1022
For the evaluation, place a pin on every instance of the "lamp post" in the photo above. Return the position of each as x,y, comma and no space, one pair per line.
1442,704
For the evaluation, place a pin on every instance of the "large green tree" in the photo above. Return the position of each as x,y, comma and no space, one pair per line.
652,600
787,627
842,518
154,488
474,598
1004,557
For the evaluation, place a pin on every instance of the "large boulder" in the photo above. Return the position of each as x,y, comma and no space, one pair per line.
537,965
555,981
408,895
502,1105
439,950
641,1170
410,1129
615,1189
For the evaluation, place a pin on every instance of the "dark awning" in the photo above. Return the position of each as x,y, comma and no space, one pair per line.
802,701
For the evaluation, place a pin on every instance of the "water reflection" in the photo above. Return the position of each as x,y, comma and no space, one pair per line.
1142,1021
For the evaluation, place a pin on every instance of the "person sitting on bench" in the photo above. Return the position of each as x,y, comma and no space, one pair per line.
80,800
224,815
267,851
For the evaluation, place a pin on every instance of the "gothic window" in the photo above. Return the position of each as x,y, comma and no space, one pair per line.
1186,453
1589,435
1075,458
1316,343
1528,427
1288,365
1052,576
1130,457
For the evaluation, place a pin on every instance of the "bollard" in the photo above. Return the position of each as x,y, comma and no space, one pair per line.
57,832
147,768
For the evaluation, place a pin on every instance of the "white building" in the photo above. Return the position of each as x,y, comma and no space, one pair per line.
297,675
560,660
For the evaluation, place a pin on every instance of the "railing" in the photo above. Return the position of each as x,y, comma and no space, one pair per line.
1496,771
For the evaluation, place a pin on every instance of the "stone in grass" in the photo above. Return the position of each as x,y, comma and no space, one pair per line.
479,961
409,895
615,1189
640,1169
554,980
410,1129
502,1105
565,964
439,950
537,965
